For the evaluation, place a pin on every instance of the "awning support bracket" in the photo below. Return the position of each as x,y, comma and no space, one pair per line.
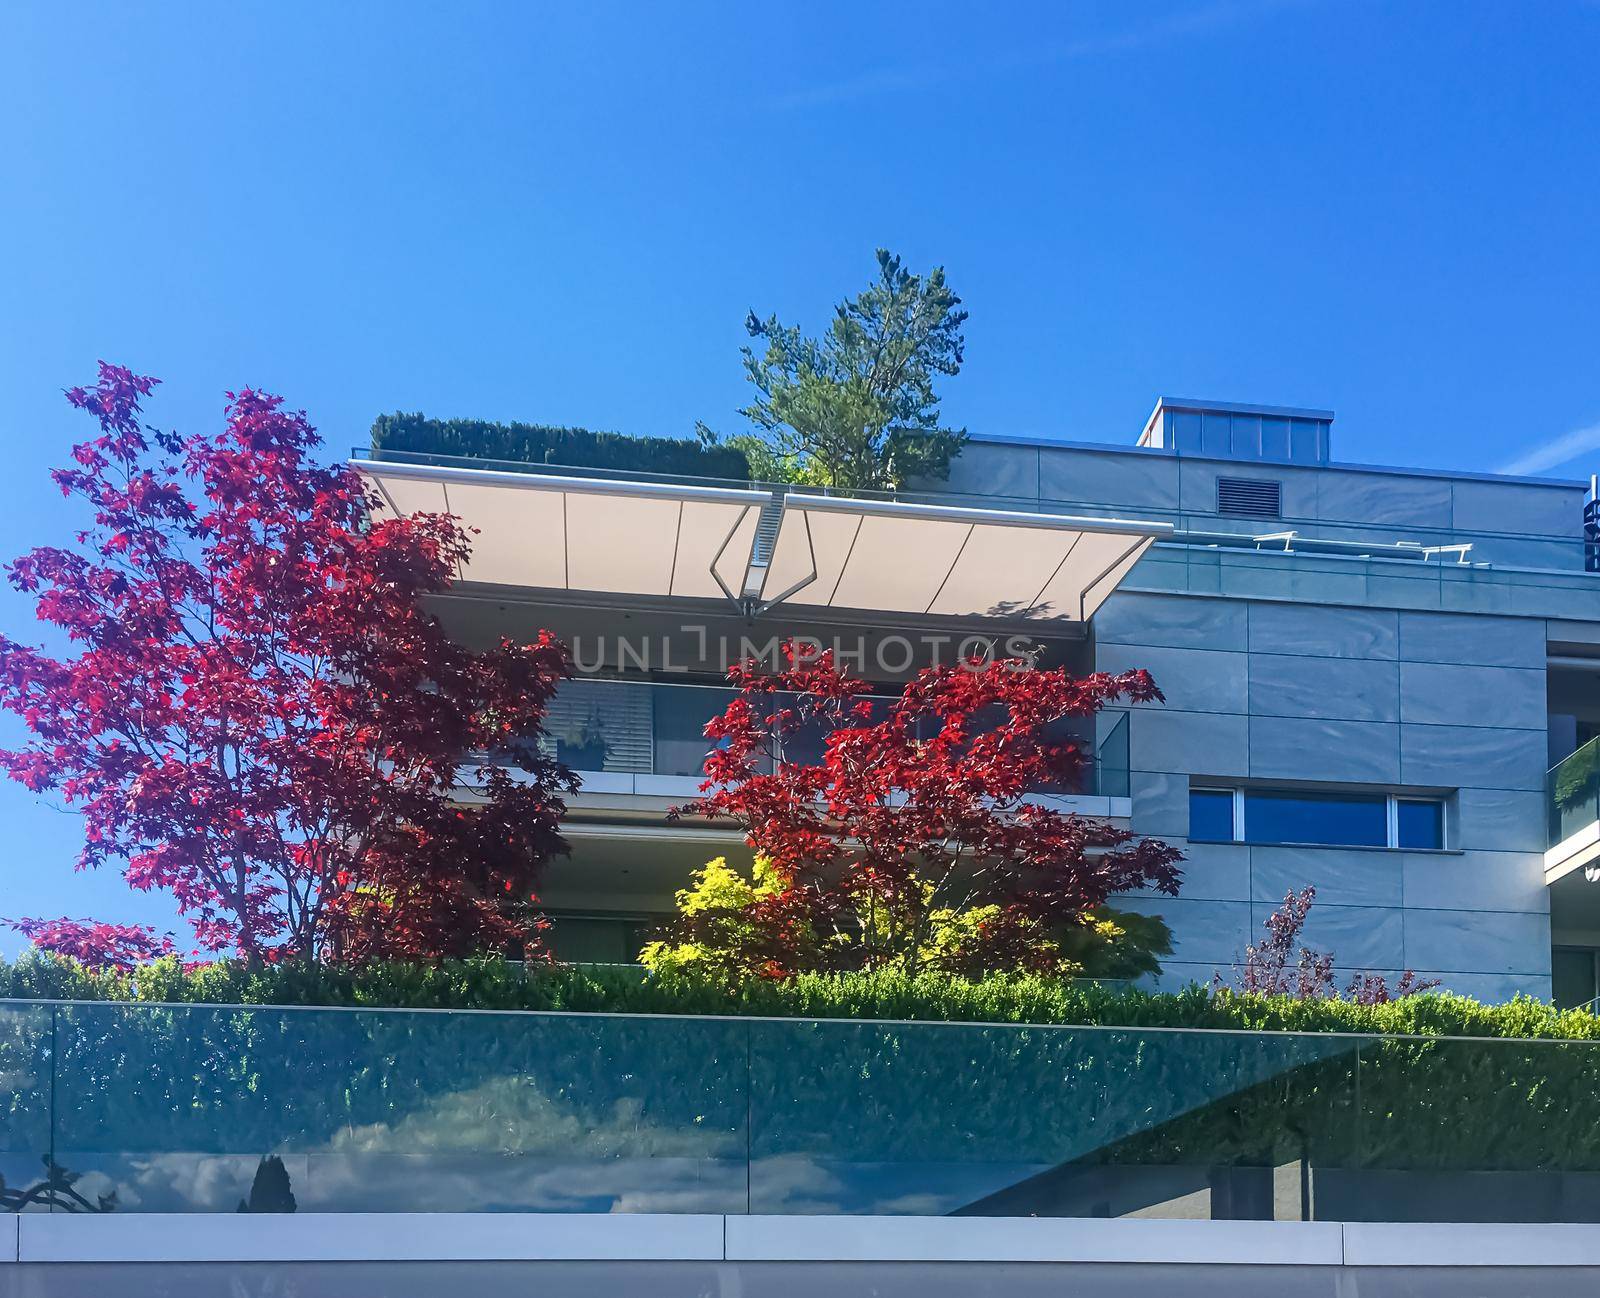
750,606
798,586
722,549
1083,595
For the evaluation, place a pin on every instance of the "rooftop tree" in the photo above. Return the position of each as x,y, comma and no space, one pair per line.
903,835
856,408
259,716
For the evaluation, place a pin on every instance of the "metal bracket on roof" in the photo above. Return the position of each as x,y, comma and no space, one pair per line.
1286,537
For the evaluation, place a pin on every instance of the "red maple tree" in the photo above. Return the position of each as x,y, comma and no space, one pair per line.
904,834
260,717
96,943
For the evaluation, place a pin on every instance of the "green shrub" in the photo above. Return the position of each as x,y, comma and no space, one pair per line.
715,938
544,444
497,985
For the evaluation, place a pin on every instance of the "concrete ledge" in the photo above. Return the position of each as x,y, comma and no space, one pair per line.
1084,804
641,1237
352,1237
1031,1239
1572,853
618,791
1455,1245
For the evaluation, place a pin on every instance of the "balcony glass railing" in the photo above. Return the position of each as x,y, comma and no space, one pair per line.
1572,793
657,728
151,1108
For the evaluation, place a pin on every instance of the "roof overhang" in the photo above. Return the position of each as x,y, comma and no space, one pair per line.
761,548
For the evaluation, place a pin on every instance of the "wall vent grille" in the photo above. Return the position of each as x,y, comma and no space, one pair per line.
1250,497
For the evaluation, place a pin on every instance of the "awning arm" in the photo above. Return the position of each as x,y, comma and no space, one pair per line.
1140,543
795,587
717,557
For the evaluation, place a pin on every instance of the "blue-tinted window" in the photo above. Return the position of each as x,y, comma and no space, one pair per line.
1344,820
1211,815
1421,824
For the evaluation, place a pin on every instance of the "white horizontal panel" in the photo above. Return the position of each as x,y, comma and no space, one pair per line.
541,531
1001,569
1450,1244
1063,597
367,1236
623,544
898,564
829,537
951,562
1097,592
1032,1239
547,532
521,537
703,530
409,496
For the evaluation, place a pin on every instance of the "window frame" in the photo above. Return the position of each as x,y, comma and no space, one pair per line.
1392,801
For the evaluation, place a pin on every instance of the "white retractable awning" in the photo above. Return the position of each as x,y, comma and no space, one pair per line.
760,548
583,534
946,561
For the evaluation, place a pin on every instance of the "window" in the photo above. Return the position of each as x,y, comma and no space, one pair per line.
1211,815
1350,821
1316,818
1419,823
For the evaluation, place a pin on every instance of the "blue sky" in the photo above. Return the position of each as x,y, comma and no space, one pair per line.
562,213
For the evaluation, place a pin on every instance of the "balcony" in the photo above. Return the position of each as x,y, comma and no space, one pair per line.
1572,801
648,737
174,1108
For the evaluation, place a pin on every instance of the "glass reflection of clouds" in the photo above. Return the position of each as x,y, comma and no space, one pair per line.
174,1108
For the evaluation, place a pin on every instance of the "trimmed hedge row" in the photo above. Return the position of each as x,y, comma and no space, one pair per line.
547,444
494,984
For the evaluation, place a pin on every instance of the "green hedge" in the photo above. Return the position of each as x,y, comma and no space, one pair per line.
545,444
492,984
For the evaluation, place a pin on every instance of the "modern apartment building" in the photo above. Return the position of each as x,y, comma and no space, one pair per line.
1369,671
1368,674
